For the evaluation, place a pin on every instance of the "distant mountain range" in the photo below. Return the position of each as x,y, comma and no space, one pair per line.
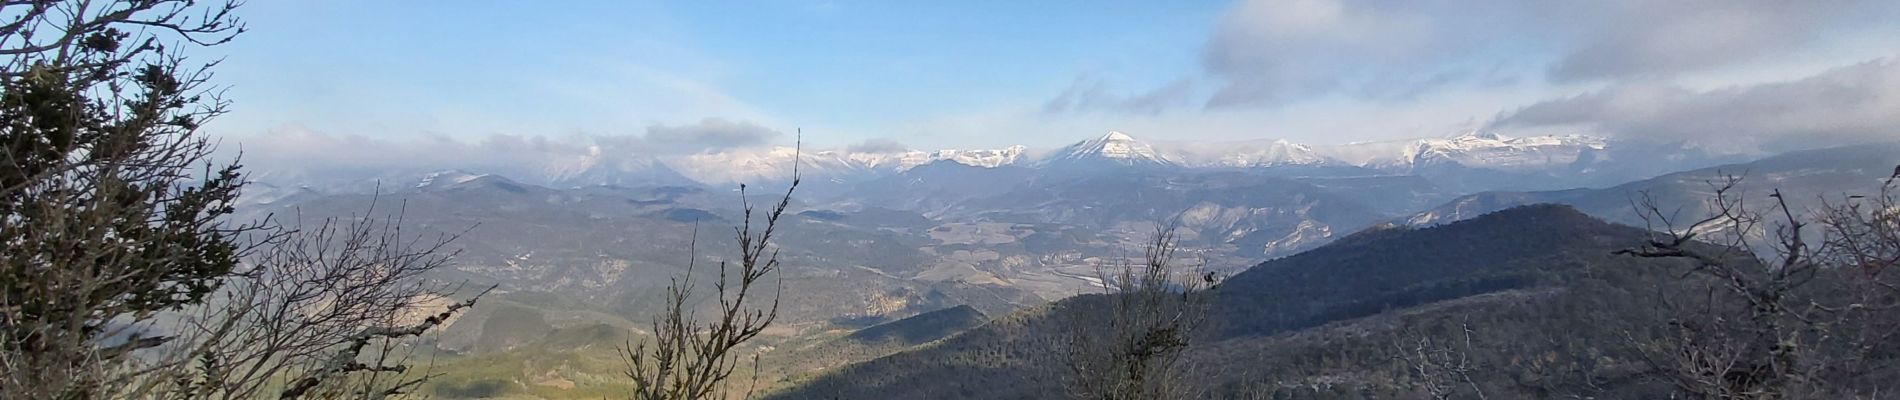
1476,160
1805,176
1469,161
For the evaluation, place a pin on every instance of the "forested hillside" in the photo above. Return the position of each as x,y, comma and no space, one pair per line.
1329,308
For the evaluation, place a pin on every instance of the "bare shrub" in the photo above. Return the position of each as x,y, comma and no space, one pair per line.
692,359
1441,367
1780,303
1132,345
332,310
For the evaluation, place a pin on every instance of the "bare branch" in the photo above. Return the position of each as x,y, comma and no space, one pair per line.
690,359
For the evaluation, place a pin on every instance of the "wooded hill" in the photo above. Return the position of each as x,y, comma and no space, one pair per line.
1551,311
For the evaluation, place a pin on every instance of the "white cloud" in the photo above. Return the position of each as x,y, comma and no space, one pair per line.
1273,52
1845,104
302,154
1343,70
1094,94
708,134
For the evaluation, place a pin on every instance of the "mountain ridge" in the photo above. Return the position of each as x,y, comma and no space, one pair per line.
1526,159
1816,172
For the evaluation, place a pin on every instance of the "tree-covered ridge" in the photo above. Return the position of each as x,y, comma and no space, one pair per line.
1388,269
921,328
1350,280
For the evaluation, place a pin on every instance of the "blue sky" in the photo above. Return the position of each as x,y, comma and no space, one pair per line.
844,70
1042,73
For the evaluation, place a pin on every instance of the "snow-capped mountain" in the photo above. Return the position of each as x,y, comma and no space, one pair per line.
768,164
1470,149
596,168
1477,161
975,158
1114,148
1471,161
775,163
1821,172
1247,154
904,160
1490,150
442,179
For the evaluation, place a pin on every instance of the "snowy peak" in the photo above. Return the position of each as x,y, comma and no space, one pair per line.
768,164
459,181
446,178
1246,154
982,158
1273,154
1282,152
594,165
1115,147
1490,150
